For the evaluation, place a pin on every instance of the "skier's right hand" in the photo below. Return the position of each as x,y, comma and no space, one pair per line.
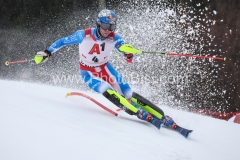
42,57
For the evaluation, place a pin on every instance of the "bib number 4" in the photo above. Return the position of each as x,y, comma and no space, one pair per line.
95,59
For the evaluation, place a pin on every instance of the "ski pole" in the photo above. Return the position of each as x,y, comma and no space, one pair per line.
38,59
18,61
130,49
186,55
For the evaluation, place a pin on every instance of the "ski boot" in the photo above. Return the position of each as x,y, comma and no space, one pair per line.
144,115
169,123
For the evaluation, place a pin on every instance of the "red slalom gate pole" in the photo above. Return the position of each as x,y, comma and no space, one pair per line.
93,100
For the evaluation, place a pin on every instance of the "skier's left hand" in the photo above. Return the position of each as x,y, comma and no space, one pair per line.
129,57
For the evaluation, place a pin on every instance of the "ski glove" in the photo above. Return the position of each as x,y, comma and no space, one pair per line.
129,57
42,57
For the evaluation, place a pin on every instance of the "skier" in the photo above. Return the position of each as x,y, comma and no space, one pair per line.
95,46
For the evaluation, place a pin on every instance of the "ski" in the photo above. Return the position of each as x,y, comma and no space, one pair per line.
183,131
93,100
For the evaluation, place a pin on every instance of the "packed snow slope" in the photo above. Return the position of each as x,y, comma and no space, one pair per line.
37,122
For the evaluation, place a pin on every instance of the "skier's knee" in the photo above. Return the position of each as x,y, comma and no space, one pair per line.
128,94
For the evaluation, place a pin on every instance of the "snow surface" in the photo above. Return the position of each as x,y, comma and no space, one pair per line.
37,122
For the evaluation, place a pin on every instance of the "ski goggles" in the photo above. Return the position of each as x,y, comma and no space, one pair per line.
110,27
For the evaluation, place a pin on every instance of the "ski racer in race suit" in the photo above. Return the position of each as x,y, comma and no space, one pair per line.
95,47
